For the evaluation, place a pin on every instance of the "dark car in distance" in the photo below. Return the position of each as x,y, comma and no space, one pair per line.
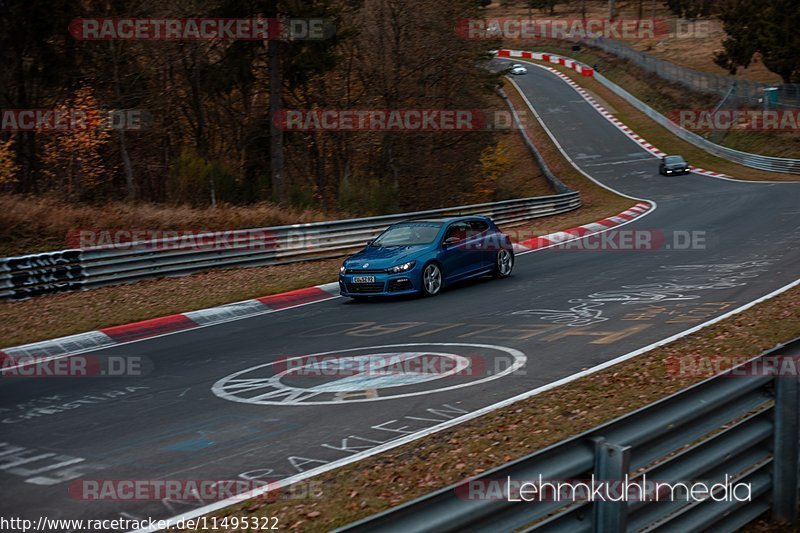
673,164
423,256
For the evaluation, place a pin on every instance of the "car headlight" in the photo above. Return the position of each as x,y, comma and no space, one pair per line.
403,268
342,269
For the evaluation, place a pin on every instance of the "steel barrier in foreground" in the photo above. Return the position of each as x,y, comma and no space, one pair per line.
742,424
78,269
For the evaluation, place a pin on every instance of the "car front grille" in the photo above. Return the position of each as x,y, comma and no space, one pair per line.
365,271
365,288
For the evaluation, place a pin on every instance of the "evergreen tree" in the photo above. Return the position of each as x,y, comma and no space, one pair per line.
766,27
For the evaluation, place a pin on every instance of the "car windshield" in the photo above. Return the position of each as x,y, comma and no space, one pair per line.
674,160
410,234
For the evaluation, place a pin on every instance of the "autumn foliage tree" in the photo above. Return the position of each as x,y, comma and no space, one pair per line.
8,166
73,157
495,161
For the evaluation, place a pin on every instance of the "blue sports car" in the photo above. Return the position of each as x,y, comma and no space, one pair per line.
422,256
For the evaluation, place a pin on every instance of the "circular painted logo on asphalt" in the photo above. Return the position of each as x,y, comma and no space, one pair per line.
369,374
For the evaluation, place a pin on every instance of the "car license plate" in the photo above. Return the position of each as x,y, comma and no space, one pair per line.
363,279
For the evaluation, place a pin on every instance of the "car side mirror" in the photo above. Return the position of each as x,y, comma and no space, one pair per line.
450,241
369,242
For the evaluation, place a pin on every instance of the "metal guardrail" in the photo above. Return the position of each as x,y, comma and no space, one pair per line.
743,427
761,162
746,91
78,269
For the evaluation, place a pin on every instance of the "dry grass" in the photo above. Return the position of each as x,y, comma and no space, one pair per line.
30,224
57,315
377,483
522,177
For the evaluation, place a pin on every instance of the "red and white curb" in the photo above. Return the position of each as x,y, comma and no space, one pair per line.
106,337
582,231
155,327
550,58
574,65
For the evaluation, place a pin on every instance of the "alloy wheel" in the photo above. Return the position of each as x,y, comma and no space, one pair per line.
504,264
432,280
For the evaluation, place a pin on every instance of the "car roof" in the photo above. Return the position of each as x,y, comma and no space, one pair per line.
675,156
445,220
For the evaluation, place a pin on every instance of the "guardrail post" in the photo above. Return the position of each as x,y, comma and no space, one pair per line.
785,461
611,464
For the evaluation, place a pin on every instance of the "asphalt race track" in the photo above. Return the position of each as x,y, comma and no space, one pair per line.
562,311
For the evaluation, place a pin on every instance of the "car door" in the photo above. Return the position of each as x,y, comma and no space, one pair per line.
455,257
485,244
